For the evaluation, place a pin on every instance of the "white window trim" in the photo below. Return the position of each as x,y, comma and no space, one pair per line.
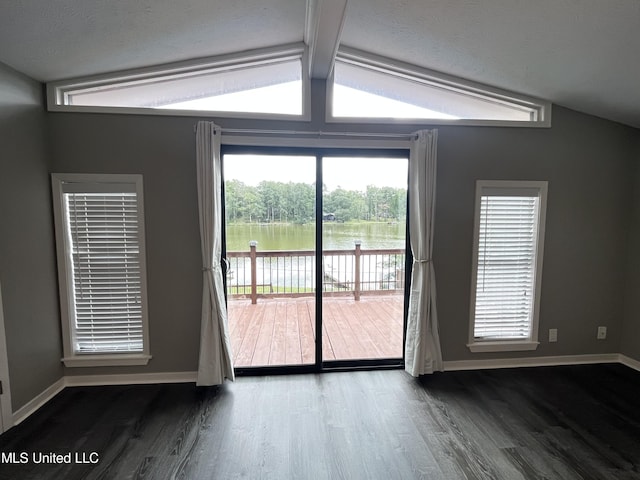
514,188
56,91
65,280
419,74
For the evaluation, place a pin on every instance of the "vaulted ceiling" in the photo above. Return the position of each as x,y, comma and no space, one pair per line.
582,54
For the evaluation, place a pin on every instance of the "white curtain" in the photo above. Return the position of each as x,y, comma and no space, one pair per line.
422,347
215,363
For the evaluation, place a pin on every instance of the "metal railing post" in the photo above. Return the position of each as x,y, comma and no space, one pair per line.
356,283
254,272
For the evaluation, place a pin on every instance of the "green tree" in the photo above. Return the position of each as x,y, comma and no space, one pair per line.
386,203
344,204
300,202
295,202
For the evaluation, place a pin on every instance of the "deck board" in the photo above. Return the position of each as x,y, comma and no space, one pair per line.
263,337
281,331
247,333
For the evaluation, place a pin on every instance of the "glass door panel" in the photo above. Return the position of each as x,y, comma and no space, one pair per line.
270,248
363,257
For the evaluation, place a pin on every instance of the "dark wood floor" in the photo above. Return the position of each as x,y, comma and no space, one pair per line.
579,422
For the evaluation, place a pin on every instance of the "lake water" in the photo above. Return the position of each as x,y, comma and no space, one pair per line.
302,237
296,274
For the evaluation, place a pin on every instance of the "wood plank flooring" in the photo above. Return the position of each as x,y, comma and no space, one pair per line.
577,422
281,331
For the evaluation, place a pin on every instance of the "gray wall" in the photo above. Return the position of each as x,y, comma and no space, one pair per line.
586,160
27,258
163,150
630,343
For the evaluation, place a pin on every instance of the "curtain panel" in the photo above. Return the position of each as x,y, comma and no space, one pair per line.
214,364
422,348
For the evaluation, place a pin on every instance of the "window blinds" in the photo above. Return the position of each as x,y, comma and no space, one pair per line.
105,256
507,244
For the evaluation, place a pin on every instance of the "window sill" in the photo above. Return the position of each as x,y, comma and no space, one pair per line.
108,360
503,346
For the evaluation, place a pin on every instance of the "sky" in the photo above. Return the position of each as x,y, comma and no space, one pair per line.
347,172
286,98
260,100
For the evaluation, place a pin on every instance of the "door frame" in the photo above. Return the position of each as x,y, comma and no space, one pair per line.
319,153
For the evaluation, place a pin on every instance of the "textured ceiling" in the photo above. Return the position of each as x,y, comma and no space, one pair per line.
58,39
582,54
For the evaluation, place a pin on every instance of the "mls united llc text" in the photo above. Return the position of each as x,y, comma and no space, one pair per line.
52,457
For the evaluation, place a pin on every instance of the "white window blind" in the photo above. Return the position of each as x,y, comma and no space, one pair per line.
105,259
507,259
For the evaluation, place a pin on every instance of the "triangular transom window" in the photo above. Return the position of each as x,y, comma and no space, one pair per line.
378,90
268,84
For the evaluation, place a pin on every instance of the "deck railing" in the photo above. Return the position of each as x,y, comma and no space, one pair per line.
261,274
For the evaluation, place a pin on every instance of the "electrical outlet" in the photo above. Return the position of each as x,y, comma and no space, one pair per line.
602,333
553,335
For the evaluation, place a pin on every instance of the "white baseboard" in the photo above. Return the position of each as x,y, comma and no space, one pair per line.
530,362
130,379
36,403
629,362
96,380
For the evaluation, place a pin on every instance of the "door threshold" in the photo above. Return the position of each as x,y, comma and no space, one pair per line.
332,366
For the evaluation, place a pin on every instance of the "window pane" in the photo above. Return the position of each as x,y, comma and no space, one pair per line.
364,204
270,238
268,88
360,91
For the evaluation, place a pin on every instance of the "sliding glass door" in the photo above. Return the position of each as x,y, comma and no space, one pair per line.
314,242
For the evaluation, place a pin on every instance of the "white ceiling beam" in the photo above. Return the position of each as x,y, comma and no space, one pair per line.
322,33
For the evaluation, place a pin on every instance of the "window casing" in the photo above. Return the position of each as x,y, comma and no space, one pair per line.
507,265
99,221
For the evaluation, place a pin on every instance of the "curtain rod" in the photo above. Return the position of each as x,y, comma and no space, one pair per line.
318,133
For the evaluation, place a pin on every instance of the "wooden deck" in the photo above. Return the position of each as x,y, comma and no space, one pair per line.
281,331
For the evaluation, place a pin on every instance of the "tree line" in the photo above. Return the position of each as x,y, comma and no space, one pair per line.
292,202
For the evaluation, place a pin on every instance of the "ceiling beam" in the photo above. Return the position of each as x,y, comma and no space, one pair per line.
322,32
